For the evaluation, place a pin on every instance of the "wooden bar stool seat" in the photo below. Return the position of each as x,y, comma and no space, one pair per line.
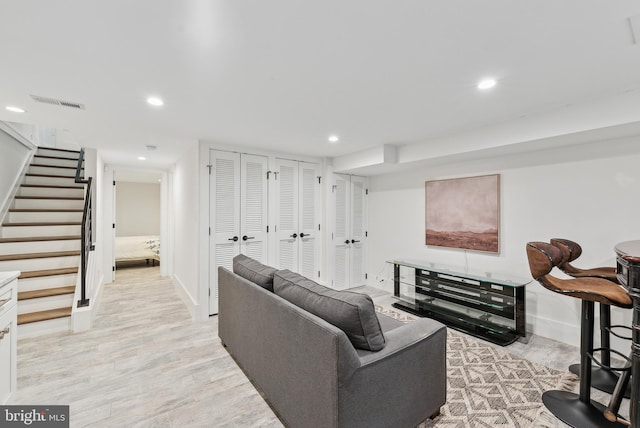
577,410
602,377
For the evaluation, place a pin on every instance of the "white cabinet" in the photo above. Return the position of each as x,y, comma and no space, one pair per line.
298,211
349,235
8,333
237,212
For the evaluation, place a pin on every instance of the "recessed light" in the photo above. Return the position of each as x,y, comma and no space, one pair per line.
141,158
333,139
15,109
155,101
487,84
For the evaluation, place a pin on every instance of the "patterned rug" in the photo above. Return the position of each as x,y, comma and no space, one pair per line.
490,387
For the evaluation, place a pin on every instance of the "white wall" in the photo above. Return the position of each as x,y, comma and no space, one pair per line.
15,155
543,195
185,233
137,209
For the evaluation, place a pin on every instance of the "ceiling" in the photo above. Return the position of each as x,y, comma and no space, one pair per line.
283,75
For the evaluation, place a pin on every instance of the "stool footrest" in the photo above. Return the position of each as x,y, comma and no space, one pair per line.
615,369
568,407
601,379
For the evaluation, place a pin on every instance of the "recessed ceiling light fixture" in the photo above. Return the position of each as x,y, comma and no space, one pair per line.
333,138
141,158
487,84
155,101
15,109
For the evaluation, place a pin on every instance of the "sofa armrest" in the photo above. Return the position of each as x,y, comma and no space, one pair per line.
401,338
408,375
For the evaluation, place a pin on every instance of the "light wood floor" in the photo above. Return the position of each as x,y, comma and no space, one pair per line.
147,364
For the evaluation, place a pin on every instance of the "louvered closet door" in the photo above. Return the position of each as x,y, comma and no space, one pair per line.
253,207
357,231
341,242
287,224
224,217
308,235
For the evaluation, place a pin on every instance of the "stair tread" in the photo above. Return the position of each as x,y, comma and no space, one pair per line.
44,315
60,150
46,292
48,272
39,255
40,238
34,210
65,198
49,186
44,223
55,157
29,174
54,166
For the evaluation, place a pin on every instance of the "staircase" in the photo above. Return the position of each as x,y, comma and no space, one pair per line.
40,237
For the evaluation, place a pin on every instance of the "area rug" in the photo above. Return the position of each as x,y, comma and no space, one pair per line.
490,387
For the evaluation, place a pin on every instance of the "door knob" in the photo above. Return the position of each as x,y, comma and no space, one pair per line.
234,239
245,237
346,242
353,241
295,235
302,235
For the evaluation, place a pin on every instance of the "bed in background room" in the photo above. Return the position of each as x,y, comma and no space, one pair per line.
137,248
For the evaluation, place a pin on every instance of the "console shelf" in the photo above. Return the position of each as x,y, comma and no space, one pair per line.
482,305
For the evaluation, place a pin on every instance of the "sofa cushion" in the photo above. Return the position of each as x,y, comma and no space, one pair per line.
353,313
254,271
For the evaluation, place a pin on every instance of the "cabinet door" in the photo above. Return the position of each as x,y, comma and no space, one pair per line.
357,231
341,241
287,225
224,217
253,207
308,224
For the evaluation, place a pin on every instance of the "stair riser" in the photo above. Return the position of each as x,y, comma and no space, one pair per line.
51,192
50,216
44,151
64,172
57,162
7,248
39,264
31,231
44,327
48,204
50,181
44,303
45,282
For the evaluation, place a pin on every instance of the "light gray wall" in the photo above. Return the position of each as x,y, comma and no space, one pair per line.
588,195
14,155
137,208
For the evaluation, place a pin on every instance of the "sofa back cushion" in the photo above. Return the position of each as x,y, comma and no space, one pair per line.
353,313
254,271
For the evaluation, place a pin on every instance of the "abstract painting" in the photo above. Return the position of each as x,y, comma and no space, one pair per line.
463,213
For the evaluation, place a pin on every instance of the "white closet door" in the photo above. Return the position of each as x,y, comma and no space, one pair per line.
308,233
287,225
224,217
253,207
357,231
341,242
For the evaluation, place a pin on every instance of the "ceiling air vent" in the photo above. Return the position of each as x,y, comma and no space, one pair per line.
57,102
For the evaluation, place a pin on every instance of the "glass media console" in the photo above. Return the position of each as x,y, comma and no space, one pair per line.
487,306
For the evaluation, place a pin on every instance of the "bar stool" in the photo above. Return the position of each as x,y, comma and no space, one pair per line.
576,410
602,378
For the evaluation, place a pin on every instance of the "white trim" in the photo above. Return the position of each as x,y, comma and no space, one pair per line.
17,135
192,306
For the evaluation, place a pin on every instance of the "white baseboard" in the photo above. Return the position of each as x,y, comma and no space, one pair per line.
189,301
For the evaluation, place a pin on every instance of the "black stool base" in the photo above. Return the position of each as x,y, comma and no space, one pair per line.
567,407
601,379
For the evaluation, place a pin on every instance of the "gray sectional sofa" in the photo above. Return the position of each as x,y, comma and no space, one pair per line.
371,371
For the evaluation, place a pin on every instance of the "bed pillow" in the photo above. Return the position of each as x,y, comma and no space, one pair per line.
353,313
254,271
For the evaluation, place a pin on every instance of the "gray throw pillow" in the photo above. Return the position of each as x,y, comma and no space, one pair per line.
353,313
254,271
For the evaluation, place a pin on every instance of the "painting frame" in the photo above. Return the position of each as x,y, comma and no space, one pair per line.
463,213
